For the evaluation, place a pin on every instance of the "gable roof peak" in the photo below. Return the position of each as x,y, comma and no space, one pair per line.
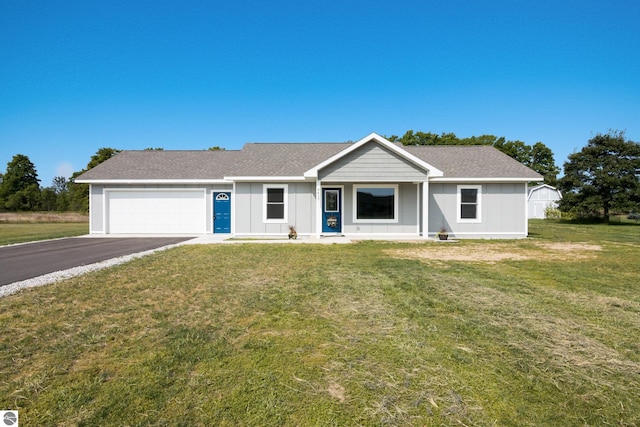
374,137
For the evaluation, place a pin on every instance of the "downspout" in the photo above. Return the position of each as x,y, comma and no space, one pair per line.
233,209
526,210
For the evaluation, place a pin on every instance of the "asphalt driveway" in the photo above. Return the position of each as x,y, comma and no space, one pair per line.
23,262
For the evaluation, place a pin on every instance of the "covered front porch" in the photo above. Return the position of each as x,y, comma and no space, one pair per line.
375,210
373,188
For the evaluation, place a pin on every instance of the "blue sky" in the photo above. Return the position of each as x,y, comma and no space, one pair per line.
76,76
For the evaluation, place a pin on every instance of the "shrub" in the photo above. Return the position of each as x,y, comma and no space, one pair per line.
552,213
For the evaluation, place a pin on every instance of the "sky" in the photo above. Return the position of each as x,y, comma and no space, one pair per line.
77,76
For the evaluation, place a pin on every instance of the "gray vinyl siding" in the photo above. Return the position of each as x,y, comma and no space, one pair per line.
249,205
372,163
503,212
407,214
96,214
98,208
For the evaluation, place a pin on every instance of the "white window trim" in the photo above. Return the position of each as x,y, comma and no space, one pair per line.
396,196
478,218
284,220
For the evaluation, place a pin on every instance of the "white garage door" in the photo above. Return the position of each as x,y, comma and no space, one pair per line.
159,212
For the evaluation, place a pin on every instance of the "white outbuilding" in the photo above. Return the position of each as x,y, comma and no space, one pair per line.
540,198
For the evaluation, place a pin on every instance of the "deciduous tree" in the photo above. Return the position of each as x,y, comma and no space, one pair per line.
541,161
56,197
59,184
603,177
20,186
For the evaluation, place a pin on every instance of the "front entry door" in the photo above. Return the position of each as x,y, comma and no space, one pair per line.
222,212
332,210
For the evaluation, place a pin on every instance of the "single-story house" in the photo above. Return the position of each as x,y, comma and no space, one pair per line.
540,198
372,187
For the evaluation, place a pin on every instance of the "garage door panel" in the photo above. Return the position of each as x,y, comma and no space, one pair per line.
156,212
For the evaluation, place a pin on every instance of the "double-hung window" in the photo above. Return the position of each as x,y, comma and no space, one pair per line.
275,203
469,203
375,203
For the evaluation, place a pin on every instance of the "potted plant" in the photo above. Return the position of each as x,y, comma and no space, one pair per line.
443,234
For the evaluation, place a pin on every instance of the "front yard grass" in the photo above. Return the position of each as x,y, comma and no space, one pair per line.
373,333
31,226
21,233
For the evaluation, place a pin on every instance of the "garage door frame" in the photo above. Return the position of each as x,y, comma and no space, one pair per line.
202,215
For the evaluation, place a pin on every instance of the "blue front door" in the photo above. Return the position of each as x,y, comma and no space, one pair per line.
332,210
222,212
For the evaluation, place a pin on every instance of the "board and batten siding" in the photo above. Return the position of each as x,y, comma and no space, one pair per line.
503,211
372,163
249,205
96,209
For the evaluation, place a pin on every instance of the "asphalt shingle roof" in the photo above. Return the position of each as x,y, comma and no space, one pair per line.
292,159
472,161
152,164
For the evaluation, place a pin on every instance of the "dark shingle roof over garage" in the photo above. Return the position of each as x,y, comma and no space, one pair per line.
292,160
161,164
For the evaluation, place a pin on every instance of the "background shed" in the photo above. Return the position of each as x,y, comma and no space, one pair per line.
540,198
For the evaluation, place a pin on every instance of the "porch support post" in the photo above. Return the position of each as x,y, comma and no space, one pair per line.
425,210
318,225
233,209
526,210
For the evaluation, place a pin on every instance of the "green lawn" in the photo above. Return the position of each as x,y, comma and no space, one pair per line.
543,331
25,232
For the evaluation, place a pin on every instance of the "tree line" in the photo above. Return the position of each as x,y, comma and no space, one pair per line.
602,178
537,156
20,188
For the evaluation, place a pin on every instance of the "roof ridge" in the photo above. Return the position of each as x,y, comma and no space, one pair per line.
298,143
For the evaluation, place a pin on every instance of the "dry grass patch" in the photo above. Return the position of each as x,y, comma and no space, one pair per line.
336,391
34,226
549,338
42,217
496,252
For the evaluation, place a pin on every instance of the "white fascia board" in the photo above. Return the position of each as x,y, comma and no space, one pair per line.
380,181
263,178
152,181
543,186
479,180
532,189
433,171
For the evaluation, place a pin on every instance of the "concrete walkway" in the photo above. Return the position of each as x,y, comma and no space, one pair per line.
210,239
227,239
323,240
